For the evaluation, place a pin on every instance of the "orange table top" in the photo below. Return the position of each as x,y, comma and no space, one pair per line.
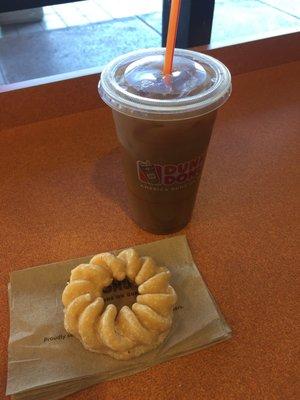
62,196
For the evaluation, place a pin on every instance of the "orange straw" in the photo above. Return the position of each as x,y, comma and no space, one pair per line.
171,38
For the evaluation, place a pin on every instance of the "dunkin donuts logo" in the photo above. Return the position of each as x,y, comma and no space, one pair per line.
169,174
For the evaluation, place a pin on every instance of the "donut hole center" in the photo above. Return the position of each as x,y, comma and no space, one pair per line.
120,293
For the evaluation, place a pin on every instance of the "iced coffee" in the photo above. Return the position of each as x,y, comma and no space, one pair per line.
164,125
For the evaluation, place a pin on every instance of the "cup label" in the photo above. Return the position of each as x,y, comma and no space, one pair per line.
169,175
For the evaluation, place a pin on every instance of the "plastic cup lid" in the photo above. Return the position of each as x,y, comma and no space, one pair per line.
133,84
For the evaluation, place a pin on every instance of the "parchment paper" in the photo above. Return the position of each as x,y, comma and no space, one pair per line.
44,362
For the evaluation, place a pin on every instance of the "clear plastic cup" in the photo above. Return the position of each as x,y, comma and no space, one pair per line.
164,125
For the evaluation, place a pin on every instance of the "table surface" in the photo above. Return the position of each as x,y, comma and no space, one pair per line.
60,200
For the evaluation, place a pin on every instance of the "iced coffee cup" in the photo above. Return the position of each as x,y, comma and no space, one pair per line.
164,125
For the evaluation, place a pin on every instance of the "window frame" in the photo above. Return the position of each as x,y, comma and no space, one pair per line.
16,5
195,23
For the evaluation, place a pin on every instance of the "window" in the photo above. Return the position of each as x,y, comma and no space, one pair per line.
63,36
